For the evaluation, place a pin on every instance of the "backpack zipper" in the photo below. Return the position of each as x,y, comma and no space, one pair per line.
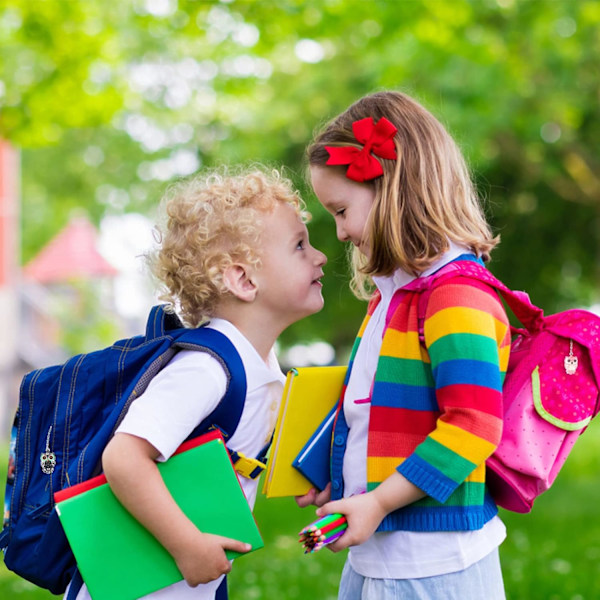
48,458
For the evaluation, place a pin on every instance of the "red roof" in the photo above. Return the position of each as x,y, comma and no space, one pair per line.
72,254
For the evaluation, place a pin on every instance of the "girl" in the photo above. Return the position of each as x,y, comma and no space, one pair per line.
418,418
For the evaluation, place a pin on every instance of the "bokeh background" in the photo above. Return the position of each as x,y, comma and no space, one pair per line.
104,103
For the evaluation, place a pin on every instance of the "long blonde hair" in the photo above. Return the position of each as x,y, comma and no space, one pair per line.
423,199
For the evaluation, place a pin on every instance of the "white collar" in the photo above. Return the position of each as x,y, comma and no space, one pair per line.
258,372
400,278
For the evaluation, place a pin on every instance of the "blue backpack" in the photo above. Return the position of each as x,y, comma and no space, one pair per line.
65,417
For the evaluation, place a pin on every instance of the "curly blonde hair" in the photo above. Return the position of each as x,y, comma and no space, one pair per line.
423,199
213,221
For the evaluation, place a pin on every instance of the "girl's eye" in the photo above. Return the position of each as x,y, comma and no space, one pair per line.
300,245
340,212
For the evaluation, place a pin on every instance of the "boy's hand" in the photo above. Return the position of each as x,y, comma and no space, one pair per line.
140,488
314,497
202,558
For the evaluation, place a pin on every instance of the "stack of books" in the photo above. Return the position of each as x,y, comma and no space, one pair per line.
118,558
299,456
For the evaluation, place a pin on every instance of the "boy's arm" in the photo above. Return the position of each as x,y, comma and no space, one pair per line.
130,468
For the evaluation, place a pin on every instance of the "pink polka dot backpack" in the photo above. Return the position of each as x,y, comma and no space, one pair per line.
550,391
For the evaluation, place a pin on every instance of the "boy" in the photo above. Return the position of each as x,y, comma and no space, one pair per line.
234,251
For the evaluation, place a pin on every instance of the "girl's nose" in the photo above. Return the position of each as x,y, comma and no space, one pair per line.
340,233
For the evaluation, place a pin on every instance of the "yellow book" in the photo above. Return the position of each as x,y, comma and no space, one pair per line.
308,397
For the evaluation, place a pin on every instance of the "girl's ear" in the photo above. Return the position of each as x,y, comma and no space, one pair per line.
237,280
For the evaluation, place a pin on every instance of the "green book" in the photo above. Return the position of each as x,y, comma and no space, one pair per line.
118,558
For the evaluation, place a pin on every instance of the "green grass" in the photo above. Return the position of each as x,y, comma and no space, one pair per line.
551,554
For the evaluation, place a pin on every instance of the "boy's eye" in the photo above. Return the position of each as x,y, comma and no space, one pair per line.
300,245
340,212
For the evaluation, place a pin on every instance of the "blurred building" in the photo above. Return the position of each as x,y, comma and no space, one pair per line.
28,297
9,274
71,254
49,278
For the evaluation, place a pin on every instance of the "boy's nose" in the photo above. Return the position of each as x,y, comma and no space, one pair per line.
321,259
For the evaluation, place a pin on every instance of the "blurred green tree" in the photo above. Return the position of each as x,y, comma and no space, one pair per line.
110,105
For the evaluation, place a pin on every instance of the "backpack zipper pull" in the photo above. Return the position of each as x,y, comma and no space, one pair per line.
571,362
48,458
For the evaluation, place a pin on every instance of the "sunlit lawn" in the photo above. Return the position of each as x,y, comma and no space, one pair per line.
551,554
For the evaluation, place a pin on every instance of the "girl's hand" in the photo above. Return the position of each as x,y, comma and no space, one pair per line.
364,514
314,497
202,557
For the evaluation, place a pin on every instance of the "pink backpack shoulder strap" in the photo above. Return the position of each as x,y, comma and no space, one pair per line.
529,315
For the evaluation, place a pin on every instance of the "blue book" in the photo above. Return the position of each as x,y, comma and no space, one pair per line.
313,459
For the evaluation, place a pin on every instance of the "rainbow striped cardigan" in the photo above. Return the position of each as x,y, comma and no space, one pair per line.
436,408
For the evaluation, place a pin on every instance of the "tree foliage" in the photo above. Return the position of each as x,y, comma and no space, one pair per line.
110,102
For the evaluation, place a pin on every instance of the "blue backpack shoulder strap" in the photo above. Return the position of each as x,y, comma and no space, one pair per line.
161,322
227,414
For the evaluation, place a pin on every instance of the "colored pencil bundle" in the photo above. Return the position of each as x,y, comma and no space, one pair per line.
323,531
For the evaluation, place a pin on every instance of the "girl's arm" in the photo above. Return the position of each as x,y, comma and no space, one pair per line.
467,335
130,468
365,512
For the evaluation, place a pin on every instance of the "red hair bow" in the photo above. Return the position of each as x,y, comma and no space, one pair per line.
376,139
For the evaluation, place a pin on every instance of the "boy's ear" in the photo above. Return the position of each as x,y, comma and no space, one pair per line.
238,281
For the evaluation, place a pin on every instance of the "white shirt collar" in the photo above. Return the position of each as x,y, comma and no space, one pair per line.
400,278
258,372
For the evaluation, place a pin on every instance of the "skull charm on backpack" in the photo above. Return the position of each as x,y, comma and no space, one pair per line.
48,458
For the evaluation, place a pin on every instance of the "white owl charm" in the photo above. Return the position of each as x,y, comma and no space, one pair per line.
571,361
